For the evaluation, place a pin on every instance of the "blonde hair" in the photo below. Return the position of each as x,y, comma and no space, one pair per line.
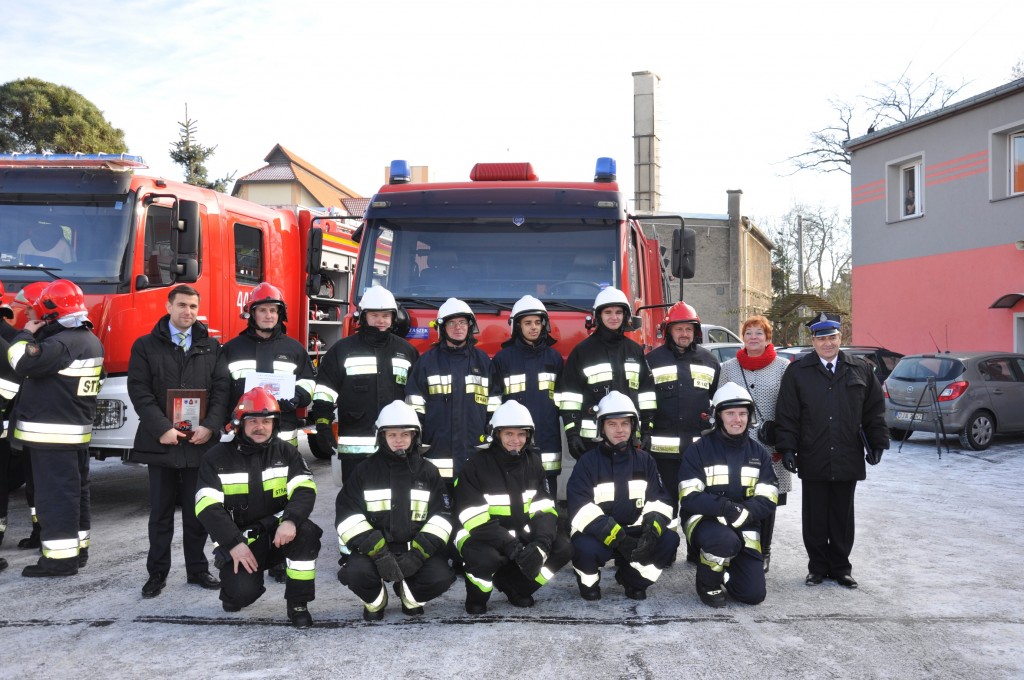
761,322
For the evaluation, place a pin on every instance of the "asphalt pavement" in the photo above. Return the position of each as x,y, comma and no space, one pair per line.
937,555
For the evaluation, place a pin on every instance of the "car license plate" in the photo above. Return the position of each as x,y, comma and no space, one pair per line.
908,415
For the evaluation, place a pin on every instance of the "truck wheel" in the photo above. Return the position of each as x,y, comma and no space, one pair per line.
978,432
315,449
899,434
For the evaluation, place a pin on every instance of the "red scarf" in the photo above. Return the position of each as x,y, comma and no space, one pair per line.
755,363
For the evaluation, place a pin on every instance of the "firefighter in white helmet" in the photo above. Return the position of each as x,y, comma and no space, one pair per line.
394,517
450,389
727,488
605,361
526,369
619,508
359,375
508,524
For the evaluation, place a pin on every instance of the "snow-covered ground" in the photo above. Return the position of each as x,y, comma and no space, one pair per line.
938,557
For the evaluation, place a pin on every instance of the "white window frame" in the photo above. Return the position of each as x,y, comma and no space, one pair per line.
917,209
1015,153
1001,160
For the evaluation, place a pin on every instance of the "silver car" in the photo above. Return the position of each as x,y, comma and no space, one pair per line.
977,394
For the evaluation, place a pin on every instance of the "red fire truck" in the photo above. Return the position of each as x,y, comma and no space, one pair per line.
127,239
505,234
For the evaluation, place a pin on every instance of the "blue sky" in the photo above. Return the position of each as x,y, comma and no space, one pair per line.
350,86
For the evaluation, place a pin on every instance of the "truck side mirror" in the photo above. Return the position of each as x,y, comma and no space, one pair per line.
188,226
684,251
186,270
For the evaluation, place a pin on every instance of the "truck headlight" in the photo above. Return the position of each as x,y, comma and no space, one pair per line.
110,414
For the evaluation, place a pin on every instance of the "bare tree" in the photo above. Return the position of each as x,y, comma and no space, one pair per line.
1017,71
893,103
826,249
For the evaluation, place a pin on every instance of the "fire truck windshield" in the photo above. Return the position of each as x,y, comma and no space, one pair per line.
491,259
84,242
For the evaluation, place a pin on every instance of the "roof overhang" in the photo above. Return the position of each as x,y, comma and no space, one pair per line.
1007,301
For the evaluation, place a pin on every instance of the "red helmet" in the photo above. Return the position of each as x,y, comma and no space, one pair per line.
5,311
29,293
58,299
256,403
682,313
264,294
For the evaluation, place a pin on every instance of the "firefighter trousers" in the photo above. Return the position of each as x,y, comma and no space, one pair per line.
299,556
431,580
590,554
724,550
62,502
486,568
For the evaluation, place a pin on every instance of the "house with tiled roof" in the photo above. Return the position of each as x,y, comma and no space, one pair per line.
288,180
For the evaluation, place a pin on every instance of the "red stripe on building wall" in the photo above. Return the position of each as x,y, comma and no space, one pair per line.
983,163
961,159
869,199
914,304
871,186
950,178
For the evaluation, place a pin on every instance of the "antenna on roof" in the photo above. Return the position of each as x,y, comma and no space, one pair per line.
937,350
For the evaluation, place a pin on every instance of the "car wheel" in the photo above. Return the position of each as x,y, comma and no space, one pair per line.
315,449
899,434
978,432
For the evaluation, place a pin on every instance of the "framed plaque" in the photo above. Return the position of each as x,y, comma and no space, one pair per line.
186,409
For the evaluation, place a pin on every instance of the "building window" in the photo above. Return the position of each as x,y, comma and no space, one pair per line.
1017,163
910,190
248,255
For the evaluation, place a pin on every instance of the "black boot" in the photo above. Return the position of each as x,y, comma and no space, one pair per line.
33,541
83,557
299,615
711,594
39,571
767,530
589,593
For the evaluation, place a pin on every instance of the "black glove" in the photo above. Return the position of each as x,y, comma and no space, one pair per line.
530,559
649,537
645,442
372,544
286,405
387,566
410,562
625,546
577,447
736,515
789,461
325,438
875,457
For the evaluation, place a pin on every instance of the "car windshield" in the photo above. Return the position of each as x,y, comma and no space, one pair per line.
921,369
491,259
84,242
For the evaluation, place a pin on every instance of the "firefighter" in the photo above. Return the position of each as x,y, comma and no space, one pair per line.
61,364
727,488
28,294
605,361
508,536
619,508
360,375
685,376
526,369
449,387
254,498
9,386
265,347
394,519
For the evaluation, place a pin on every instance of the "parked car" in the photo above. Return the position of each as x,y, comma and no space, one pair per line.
713,333
978,394
881,359
723,351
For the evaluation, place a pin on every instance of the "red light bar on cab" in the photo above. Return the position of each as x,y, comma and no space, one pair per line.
114,161
503,172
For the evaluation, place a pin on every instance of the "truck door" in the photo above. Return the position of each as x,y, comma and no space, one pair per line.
248,239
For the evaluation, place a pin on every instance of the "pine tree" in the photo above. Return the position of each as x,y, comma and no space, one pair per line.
192,156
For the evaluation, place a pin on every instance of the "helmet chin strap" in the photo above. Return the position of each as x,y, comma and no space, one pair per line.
401,453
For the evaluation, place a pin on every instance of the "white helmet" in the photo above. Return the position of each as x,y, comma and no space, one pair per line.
612,296
529,306
378,299
398,416
511,414
453,307
731,395
616,405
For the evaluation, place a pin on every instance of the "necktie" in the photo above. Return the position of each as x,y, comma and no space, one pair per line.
829,367
181,340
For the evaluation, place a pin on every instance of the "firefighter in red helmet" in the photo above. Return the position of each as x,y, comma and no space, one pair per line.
265,347
685,377
61,364
254,497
